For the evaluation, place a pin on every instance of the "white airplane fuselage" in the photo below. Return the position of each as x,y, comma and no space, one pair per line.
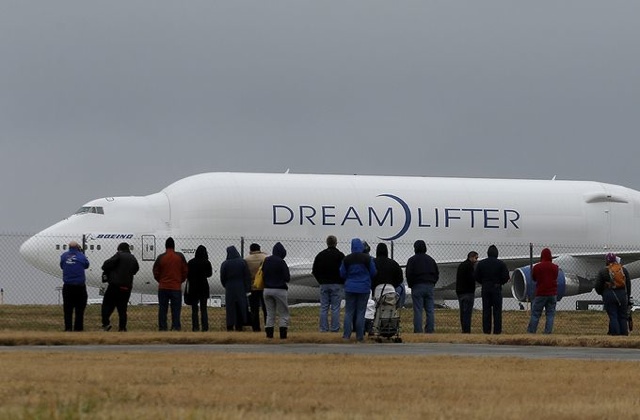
310,207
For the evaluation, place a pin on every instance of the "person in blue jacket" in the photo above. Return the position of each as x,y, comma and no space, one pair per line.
357,270
73,262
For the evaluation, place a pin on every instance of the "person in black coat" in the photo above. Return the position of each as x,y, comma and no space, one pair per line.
466,290
199,271
236,280
388,271
326,270
492,273
118,271
422,274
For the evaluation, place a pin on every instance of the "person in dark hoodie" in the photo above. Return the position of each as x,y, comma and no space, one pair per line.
466,290
492,273
388,271
357,269
199,271
119,271
275,273
236,280
545,276
422,275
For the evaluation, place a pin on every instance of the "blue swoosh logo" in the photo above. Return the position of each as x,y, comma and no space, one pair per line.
407,217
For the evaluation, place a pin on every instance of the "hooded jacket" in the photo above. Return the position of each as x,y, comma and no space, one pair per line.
465,282
421,268
199,271
121,268
545,275
357,269
275,270
388,271
234,272
491,271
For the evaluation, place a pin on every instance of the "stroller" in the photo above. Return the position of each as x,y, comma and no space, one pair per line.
386,323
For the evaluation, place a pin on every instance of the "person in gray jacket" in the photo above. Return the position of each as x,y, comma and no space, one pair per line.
118,272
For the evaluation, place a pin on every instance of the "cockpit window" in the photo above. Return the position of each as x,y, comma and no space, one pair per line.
86,209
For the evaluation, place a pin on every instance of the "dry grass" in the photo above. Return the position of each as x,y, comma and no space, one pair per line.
232,386
200,385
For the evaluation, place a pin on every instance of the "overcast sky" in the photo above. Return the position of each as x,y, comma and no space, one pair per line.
125,97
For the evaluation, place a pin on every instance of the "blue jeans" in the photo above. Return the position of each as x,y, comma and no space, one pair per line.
164,298
402,296
548,303
330,298
422,297
615,303
466,310
355,304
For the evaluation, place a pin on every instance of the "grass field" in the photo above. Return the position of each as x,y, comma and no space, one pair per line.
199,385
144,318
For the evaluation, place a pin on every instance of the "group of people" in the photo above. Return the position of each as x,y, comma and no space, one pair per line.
243,299
492,273
613,283
353,277
118,272
171,270
358,275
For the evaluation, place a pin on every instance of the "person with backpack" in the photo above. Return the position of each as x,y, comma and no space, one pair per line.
614,284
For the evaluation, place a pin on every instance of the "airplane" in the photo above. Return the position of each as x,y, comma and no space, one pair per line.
583,220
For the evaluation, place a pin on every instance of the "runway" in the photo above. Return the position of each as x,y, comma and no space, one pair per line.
368,349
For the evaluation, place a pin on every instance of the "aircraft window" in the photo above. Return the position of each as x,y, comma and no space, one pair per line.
91,247
85,210
64,247
58,247
98,247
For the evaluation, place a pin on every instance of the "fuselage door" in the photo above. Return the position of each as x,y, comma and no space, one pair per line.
148,247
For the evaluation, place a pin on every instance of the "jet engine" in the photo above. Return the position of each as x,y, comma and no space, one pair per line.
524,289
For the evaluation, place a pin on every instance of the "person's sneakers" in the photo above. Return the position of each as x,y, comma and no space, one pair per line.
106,327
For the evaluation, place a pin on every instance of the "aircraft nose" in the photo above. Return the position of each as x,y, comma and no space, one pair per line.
29,251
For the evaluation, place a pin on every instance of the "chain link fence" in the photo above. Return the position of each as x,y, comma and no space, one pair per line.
39,290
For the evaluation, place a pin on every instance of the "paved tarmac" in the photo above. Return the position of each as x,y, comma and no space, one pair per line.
370,349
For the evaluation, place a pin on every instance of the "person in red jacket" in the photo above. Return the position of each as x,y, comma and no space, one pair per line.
170,271
545,276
